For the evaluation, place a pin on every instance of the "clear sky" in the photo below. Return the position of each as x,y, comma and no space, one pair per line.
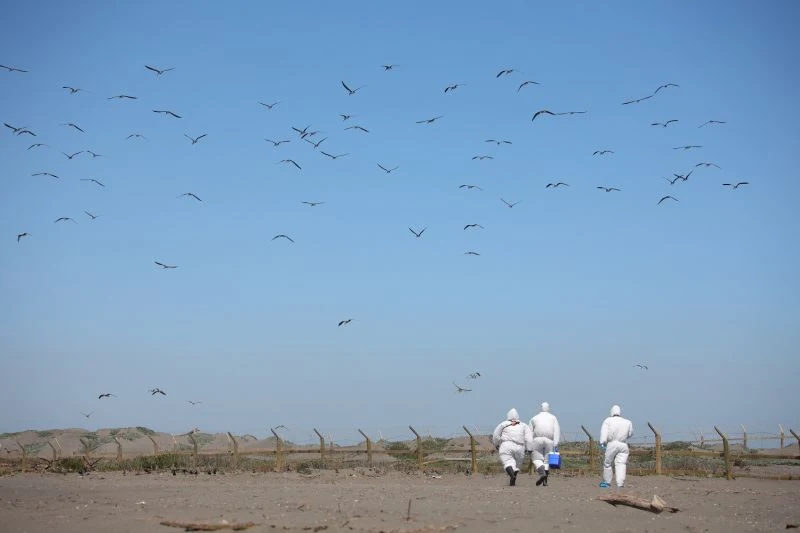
572,287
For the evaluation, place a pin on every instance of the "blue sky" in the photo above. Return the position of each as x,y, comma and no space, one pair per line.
572,287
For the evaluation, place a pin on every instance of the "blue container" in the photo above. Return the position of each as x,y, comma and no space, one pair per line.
554,459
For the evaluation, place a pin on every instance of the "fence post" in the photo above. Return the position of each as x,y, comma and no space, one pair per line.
155,445
702,442
119,449
60,449
369,448
194,448
780,427
592,450
24,455
726,450
235,450
795,436
55,456
420,456
278,452
744,438
473,463
658,448
321,446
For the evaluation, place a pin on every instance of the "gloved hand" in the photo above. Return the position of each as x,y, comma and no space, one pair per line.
555,449
603,446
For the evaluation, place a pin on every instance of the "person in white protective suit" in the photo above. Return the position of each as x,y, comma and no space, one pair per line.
512,439
546,435
614,437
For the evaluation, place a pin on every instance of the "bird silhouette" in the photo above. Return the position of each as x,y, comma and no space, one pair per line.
275,144
159,71
554,185
332,156
190,194
345,322
64,219
350,91
166,112
291,161
75,126
687,147
706,165
461,389
468,226
468,186
548,112
672,181
684,177
453,87
498,143
194,402
603,152
165,266
22,235
418,234
195,139
471,253
505,72
312,204
608,189
387,170
711,122
70,156
510,205
666,197
525,83
136,136
90,215
643,367
87,415
387,68
13,69
46,174
357,127
346,117
105,395
93,181
315,144
429,120
14,129
735,185
474,375
72,90
664,124
481,157
664,87
37,145
122,97
269,106
637,100
93,154
282,236
156,390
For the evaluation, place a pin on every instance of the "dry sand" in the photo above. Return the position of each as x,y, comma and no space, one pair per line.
370,500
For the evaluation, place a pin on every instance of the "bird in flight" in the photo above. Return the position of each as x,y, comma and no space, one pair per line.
64,219
275,144
712,122
191,194
282,236
468,186
509,204
22,235
93,181
93,154
664,124
471,253
666,85
603,152
302,132
554,185
26,130
159,71
666,197
164,266
105,395
345,322
735,185
46,174
548,112
122,97
37,145
474,375
637,100
73,155
72,90
333,156
473,226
672,181
136,136
682,177
481,157
417,234
505,72
194,403
156,390
687,147
350,91
387,170
461,389
387,68
91,215
346,117
87,415
72,125
315,144
707,165
312,204
365,130
429,120
12,69
453,87
527,82
498,143
643,367
166,112
608,189
14,129
292,161
269,106
194,140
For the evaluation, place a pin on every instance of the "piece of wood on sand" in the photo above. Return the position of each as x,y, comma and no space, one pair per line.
205,526
656,505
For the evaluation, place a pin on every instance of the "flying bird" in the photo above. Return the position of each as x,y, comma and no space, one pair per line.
664,87
387,170
608,189
24,131
91,215
312,204
637,100
275,144
453,87
707,165
429,120
712,122
387,68
337,156
105,395
509,204
269,106
156,390
461,389
603,152
687,147
93,154
136,136
164,266
302,132
73,155
554,185
672,181
350,91
665,197
194,140
365,130
292,161
481,157
37,145
22,235
159,71
73,125
64,219
72,90
346,117
474,375
664,124
12,69
735,185
13,128
194,403
417,234
122,97
643,367
315,144
191,194
527,82
93,181
684,177
282,236
473,226
548,112
87,415
505,72
166,112
468,186
46,174
471,253
345,322
498,143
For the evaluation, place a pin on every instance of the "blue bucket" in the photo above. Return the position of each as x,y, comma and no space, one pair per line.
554,460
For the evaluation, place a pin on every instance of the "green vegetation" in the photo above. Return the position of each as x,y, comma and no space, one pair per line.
145,431
44,434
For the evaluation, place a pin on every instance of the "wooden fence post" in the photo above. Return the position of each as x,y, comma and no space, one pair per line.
780,427
369,448
155,445
235,450
24,455
473,463
744,438
420,456
726,450
321,446
658,448
194,448
592,450
119,449
795,436
278,452
55,455
702,442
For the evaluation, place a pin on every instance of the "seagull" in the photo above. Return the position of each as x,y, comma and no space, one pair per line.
461,389
453,87
554,185
136,136
706,165
471,253
292,161
93,181
333,156
637,100
189,194
166,112
93,154
643,367
357,128
345,322
91,215
122,97
194,141
275,144
315,144
158,71
735,185
21,235
481,157
46,174
712,122
468,186
664,87
687,147
548,112
37,145
312,204
609,189
665,197
346,117
64,219
387,68
508,204
87,415
498,143
672,181
387,170
302,132
664,124
72,125
73,155
13,128
72,90
12,69
284,237
473,226
105,395
429,120
269,106
25,130
603,152
164,266
194,403
474,375
350,91
505,72
527,82
156,390
682,177
418,235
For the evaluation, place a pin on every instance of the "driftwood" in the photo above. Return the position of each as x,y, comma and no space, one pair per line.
656,505
204,526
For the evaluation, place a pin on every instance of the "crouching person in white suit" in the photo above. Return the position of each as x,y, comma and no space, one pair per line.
614,437
512,439
546,434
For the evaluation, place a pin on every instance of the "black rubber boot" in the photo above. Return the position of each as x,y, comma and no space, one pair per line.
542,476
546,476
512,476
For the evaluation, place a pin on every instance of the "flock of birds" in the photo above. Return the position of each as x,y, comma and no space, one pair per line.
315,141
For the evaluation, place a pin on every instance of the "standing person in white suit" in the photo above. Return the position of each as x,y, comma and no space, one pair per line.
614,437
546,435
512,439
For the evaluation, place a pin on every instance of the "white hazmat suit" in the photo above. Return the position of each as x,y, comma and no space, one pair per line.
512,439
546,435
614,436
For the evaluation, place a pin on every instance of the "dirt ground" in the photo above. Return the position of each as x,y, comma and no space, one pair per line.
373,501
